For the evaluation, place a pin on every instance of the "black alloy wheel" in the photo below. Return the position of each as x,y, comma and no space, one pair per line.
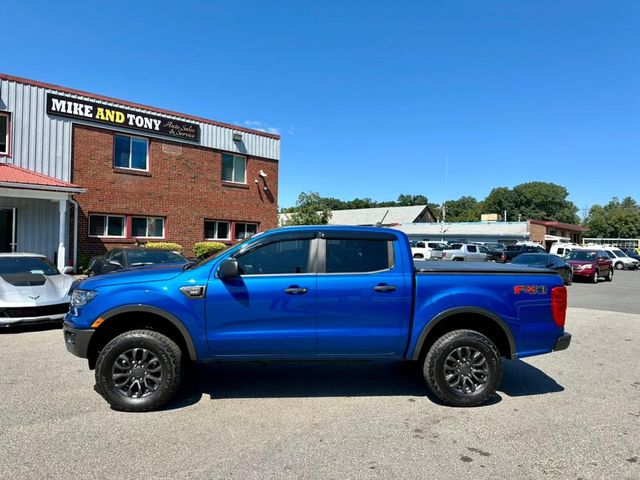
139,370
463,368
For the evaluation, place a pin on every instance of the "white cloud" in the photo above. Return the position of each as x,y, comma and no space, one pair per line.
264,127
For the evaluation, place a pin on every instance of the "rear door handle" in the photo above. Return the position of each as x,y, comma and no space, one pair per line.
385,288
293,290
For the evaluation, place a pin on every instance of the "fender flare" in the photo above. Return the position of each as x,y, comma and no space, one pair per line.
191,349
442,316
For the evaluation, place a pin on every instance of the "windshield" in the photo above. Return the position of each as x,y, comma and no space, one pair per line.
27,265
151,257
514,248
618,253
582,255
529,259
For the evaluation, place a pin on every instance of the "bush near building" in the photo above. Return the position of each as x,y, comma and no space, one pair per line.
206,249
174,247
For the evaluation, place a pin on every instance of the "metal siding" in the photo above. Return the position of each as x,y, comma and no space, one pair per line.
37,225
43,144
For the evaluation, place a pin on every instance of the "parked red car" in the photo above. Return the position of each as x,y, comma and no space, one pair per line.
590,264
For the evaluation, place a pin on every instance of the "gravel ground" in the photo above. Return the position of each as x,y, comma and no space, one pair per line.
572,414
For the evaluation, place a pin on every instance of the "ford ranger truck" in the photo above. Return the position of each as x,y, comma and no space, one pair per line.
320,293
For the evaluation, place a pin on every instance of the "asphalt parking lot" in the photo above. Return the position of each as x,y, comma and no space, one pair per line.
569,415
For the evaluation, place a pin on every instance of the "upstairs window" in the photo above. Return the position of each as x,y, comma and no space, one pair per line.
147,227
106,226
4,134
234,168
131,152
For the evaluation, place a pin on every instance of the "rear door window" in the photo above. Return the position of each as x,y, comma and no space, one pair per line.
471,248
358,256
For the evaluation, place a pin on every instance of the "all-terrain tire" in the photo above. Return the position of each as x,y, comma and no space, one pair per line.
441,352
168,362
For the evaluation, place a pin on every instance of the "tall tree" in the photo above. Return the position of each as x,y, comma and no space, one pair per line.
310,209
500,200
465,209
615,219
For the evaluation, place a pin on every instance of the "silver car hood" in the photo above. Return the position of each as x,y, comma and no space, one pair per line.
53,290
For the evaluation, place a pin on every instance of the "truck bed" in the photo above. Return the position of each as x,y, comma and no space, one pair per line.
425,266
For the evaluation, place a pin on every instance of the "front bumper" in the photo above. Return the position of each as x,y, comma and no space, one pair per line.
8,322
583,272
77,340
563,342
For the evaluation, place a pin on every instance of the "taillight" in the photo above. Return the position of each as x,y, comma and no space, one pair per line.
559,305
503,257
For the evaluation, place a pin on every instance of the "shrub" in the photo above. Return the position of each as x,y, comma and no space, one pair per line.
206,249
174,247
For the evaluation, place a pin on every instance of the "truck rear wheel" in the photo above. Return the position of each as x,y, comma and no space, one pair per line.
139,370
463,368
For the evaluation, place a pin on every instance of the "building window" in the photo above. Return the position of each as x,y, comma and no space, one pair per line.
4,134
216,230
245,230
147,227
131,152
106,226
234,168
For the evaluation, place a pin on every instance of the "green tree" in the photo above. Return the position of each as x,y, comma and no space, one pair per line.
465,209
615,219
405,200
310,209
500,200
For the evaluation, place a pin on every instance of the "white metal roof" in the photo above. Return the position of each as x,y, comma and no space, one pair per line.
373,216
467,229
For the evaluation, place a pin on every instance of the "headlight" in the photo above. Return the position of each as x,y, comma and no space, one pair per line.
585,267
82,297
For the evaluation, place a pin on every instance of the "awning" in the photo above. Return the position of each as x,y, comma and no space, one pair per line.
12,176
554,238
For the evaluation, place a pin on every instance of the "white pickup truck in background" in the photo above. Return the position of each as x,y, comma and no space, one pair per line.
466,252
425,250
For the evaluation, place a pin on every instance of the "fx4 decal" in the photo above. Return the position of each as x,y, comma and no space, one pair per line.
530,289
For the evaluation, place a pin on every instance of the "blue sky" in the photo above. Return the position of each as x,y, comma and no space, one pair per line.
372,97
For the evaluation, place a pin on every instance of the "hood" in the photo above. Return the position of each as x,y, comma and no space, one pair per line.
34,290
133,275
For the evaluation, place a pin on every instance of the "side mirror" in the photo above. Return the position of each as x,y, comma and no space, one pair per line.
229,268
67,270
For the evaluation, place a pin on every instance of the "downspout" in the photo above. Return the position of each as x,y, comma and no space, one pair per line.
75,234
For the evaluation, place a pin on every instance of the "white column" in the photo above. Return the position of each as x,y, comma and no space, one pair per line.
62,235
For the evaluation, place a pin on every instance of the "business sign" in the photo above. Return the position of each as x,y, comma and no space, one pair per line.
121,117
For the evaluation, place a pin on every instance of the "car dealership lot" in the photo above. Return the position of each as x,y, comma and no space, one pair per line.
573,414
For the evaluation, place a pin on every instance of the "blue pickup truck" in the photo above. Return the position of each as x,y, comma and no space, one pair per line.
321,293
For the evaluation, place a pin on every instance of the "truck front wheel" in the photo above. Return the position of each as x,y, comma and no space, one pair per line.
139,370
463,368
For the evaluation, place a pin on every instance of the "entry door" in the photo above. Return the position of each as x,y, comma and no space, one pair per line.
270,310
8,230
364,305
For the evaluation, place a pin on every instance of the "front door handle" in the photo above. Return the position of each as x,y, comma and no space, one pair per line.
385,288
293,290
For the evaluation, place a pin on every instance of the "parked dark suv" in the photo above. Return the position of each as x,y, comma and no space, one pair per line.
512,251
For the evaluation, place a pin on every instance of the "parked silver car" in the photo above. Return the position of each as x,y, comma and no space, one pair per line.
32,289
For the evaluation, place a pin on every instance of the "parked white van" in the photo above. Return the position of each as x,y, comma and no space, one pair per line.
561,248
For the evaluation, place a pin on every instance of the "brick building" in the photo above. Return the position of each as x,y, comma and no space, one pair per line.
93,172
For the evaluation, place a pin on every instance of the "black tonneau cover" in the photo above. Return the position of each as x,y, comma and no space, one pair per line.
445,266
